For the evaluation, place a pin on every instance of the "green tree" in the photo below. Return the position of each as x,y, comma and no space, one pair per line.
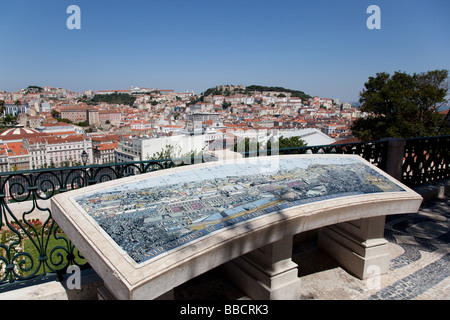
291,142
9,119
226,105
55,114
248,145
294,93
33,89
403,106
167,153
114,98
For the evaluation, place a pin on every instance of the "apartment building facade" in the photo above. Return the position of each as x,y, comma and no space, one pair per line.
81,114
16,108
54,151
111,116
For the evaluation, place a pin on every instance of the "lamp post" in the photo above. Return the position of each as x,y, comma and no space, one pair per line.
84,157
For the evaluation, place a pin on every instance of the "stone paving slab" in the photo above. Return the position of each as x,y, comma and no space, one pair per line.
419,269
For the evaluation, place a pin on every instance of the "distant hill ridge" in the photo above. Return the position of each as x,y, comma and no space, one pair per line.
232,89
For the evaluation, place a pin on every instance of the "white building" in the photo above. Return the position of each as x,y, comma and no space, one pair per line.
59,127
139,149
16,109
54,151
312,137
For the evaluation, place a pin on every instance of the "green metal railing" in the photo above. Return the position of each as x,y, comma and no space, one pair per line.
32,247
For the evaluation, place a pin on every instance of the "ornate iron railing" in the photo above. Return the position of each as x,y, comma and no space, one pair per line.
32,246
426,160
373,151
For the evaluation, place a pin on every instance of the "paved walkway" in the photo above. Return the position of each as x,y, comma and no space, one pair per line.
420,267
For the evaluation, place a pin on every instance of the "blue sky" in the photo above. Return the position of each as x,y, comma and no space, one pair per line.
321,47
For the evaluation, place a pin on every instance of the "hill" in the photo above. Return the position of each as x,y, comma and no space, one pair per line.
294,93
228,90
114,98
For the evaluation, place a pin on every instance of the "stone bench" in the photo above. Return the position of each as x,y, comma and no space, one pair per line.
240,214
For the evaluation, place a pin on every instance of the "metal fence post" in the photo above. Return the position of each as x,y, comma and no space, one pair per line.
395,154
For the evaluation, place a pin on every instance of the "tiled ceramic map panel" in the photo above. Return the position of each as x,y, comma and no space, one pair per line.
155,215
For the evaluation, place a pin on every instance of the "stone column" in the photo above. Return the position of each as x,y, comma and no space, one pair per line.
358,246
266,273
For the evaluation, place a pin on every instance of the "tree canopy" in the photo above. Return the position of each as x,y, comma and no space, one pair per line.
294,93
256,88
403,106
114,98
247,145
33,89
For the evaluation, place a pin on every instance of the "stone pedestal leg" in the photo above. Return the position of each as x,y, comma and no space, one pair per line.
104,294
266,273
358,246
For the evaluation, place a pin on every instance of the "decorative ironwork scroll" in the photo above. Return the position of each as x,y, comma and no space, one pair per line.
426,160
32,246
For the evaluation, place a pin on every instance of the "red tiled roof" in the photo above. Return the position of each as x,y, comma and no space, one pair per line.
16,149
107,146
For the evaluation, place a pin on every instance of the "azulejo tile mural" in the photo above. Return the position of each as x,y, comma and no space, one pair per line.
155,215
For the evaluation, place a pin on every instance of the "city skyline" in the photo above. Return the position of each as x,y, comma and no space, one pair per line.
324,49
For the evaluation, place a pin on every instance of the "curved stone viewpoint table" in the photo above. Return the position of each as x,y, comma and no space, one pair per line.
145,235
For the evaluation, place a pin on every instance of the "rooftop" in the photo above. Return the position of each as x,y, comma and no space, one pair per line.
16,132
